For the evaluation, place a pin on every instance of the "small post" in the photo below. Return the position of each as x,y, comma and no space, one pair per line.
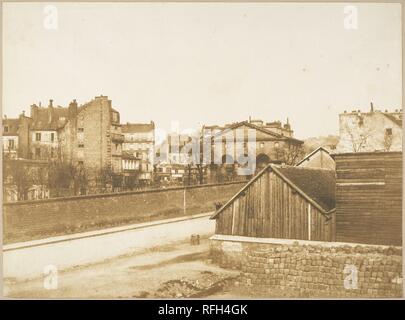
184,201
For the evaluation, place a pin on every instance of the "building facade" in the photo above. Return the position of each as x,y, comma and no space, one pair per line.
273,143
15,136
92,136
85,141
10,138
319,158
43,131
370,131
139,143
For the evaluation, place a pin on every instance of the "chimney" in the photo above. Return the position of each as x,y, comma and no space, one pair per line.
371,107
50,103
34,111
250,119
72,109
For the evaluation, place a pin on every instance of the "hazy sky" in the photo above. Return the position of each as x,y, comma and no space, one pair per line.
206,63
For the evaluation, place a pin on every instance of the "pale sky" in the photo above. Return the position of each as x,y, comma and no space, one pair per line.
206,63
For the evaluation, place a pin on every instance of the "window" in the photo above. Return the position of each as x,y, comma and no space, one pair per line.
81,145
5,128
11,144
52,153
38,136
388,131
80,163
52,137
80,129
37,152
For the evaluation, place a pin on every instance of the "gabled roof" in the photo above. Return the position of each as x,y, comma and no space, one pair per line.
309,155
248,124
253,126
317,186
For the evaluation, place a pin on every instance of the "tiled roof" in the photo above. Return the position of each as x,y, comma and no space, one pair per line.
50,118
317,184
12,125
137,127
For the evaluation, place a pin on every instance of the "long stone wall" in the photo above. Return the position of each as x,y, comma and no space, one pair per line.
311,268
23,221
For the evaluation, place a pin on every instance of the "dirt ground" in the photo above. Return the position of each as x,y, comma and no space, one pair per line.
176,271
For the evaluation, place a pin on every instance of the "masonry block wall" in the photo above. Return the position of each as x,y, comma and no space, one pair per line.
305,269
38,219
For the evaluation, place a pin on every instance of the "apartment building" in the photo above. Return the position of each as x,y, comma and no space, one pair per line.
139,143
370,131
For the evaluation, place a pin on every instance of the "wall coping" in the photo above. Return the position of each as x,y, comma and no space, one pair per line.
117,194
221,237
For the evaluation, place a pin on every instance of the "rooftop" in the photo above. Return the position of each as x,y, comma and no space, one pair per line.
137,127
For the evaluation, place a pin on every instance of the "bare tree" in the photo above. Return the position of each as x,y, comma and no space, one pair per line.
105,179
293,154
388,138
358,136
18,176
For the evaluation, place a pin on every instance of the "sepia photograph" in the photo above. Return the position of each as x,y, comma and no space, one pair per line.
202,150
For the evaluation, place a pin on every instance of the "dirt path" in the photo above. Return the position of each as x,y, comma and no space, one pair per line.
178,270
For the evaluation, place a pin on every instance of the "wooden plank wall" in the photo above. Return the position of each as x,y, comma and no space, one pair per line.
369,198
270,208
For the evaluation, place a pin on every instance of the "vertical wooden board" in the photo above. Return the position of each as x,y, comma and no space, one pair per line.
243,215
233,217
271,205
279,208
237,215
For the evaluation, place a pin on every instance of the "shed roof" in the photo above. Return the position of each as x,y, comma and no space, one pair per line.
317,186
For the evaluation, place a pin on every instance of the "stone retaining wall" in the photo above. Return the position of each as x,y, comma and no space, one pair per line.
311,268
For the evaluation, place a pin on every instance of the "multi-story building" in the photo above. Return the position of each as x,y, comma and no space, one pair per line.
273,143
43,136
370,131
16,137
139,142
10,138
92,136
87,137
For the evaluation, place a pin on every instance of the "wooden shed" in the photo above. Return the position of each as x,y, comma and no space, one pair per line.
369,197
282,202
